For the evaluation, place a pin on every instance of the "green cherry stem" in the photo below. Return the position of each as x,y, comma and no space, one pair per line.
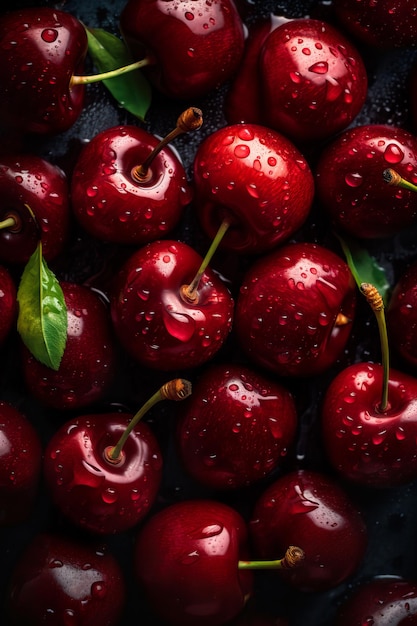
393,178
376,303
293,558
190,292
96,78
177,389
9,222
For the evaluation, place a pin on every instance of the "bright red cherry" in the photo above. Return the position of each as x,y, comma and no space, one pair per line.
257,180
194,46
20,465
8,303
402,317
188,554
294,310
314,81
34,205
236,428
160,318
311,510
348,181
88,364
41,48
58,580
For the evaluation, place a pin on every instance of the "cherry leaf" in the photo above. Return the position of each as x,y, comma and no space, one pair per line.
42,319
131,90
364,267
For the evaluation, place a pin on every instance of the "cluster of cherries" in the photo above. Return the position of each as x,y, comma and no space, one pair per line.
220,284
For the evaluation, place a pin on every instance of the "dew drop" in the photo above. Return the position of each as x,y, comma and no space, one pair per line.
321,67
393,153
241,151
189,16
49,35
98,589
109,496
353,179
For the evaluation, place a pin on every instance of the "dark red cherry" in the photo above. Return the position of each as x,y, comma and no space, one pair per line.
8,303
402,317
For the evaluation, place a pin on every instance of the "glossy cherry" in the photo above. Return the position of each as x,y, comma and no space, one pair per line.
34,205
87,368
402,319
195,46
257,180
348,181
41,48
156,318
294,310
20,465
122,195
314,81
236,428
8,303
312,510
58,580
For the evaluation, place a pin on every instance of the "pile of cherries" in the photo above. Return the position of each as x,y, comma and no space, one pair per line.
223,439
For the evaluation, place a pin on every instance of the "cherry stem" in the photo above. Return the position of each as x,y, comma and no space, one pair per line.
190,292
191,119
293,558
9,222
393,178
176,389
376,302
96,78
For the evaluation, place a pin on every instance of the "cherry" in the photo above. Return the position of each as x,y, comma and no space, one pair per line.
125,189
236,427
314,511
381,601
20,465
196,46
294,310
103,471
8,303
314,82
257,180
34,205
87,367
348,181
168,310
58,580
401,320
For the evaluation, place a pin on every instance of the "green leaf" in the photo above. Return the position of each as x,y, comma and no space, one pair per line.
42,319
131,90
364,267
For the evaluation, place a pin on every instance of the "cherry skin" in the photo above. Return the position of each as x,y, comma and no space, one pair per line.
20,465
287,316
8,304
111,204
382,601
257,180
98,495
87,368
314,81
35,199
41,48
153,319
348,181
366,445
236,427
401,317
58,579
188,554
195,46
314,511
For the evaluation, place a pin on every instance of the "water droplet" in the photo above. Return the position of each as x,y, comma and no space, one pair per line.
179,325
98,589
252,190
393,153
295,77
189,16
241,151
109,496
321,67
353,179
49,35
190,558
306,51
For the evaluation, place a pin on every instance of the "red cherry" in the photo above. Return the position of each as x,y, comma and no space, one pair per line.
314,80
382,601
196,47
41,48
348,181
294,310
20,465
35,204
236,428
87,367
188,554
313,511
154,317
365,444
8,303
58,580
401,317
